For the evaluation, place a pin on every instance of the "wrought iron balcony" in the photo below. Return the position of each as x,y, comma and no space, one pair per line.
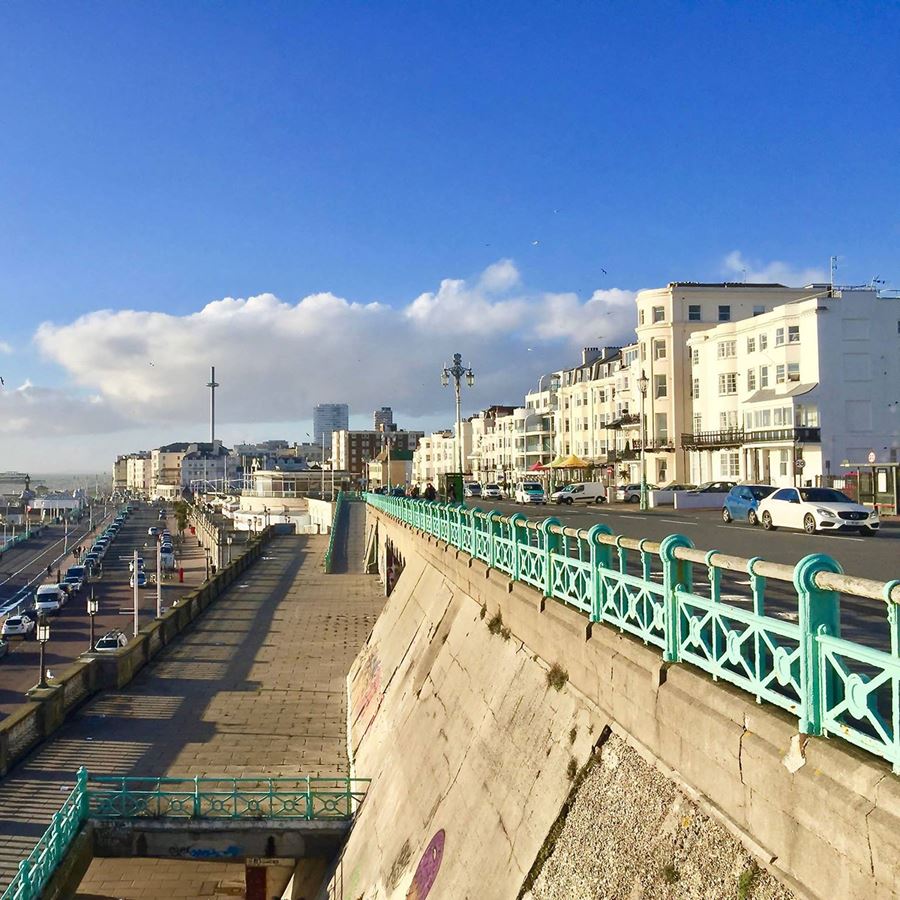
626,419
707,440
654,444
792,435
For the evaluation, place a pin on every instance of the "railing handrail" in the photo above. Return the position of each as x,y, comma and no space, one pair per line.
337,799
335,515
795,658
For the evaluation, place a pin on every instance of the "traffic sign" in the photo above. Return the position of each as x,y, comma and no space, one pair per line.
872,456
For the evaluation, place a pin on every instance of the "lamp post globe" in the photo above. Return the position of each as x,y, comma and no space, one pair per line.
457,371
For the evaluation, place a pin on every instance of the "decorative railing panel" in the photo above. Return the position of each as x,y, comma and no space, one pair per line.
793,658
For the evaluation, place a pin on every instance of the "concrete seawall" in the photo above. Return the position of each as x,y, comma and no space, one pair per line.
493,723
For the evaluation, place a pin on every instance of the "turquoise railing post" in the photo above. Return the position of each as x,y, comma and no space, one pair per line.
492,517
197,810
551,543
516,529
309,798
819,614
476,512
25,878
601,556
81,793
676,573
349,797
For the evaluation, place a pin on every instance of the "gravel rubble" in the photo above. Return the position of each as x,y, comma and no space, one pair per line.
632,834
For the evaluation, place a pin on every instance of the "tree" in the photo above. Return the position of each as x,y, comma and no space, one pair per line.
181,515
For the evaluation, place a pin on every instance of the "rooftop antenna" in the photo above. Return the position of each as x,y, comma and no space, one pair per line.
213,384
834,266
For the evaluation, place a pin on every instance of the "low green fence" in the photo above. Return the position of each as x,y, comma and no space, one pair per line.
111,797
770,629
335,518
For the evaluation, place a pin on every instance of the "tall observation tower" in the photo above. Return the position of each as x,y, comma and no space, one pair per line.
213,384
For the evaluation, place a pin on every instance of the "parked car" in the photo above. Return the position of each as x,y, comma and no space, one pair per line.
152,531
49,599
714,487
631,493
580,492
530,492
162,515
75,576
141,579
674,486
742,502
18,626
492,492
110,641
816,509
472,489
167,560
140,563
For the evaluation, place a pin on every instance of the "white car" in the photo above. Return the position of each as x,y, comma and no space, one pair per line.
110,641
530,492
17,626
816,509
492,492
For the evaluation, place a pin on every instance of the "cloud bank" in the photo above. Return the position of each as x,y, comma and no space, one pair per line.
276,359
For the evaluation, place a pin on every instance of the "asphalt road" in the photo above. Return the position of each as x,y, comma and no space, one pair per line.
875,557
22,563
70,628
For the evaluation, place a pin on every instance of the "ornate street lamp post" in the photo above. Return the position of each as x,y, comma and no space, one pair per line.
93,607
457,371
43,635
643,382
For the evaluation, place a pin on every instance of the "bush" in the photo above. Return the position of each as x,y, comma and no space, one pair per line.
557,676
495,623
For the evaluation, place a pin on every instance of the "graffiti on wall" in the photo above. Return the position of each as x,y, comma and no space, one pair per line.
428,868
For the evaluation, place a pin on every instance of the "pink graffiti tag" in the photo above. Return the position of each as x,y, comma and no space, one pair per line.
427,871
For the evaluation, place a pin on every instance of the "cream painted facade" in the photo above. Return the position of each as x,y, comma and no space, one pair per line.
436,454
138,472
787,396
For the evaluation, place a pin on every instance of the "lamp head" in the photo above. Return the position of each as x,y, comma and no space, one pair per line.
445,377
470,378
43,631
93,606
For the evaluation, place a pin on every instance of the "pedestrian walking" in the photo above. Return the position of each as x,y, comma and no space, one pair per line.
430,492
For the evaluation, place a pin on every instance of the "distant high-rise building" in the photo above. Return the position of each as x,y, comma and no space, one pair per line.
384,419
328,417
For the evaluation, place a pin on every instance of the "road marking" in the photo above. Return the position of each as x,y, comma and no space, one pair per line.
638,517
678,521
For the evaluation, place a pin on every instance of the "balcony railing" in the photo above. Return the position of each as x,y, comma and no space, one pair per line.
792,435
735,437
627,419
654,444
704,440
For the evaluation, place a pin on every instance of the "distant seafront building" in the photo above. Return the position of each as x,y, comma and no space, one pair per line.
328,418
383,419
742,382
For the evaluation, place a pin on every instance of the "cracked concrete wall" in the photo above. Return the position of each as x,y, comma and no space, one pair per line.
470,751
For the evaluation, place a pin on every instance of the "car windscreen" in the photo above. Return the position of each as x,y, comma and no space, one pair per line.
531,486
824,495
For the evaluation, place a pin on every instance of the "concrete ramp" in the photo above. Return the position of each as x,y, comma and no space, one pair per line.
350,540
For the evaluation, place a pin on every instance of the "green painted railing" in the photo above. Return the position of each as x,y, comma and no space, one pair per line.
770,629
113,797
335,517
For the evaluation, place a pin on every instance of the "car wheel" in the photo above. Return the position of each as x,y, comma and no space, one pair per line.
809,523
726,516
568,501
633,498
767,521
868,532
751,517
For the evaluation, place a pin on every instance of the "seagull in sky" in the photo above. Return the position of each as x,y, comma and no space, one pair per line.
535,243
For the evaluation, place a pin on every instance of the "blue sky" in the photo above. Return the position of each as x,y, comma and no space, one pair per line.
157,157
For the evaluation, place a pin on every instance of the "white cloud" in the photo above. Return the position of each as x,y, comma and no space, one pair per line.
48,412
276,359
5,347
735,264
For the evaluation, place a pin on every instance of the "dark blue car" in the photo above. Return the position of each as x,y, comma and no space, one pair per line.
742,501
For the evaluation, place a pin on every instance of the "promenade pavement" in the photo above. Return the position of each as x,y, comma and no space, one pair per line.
257,686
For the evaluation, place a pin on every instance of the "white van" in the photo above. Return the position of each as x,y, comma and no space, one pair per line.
48,599
580,492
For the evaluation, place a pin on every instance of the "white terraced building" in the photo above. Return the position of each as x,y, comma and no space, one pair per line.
786,397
